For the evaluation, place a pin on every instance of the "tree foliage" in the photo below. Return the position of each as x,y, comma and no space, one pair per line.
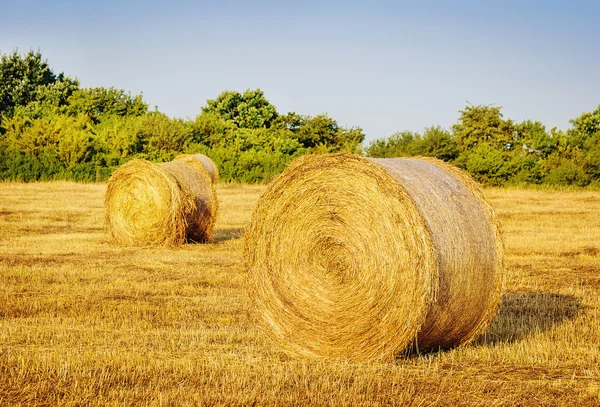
248,110
22,79
99,102
498,151
52,128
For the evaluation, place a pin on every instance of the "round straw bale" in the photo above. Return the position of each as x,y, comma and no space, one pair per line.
208,164
160,204
361,258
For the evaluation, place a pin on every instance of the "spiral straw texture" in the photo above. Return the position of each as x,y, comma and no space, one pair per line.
361,258
160,204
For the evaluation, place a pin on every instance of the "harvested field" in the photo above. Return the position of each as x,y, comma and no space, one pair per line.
86,323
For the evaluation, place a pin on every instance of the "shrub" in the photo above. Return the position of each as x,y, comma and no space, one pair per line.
567,173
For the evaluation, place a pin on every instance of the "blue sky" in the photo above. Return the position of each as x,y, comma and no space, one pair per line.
384,66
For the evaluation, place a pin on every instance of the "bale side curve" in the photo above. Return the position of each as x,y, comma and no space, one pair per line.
468,244
206,162
198,194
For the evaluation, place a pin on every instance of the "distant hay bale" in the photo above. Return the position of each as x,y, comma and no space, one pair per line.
160,204
208,164
363,258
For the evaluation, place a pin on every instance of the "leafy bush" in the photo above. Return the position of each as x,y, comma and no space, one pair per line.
567,173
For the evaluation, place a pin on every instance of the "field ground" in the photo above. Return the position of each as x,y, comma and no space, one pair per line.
86,323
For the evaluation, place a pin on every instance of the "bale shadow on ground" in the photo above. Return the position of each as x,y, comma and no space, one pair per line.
223,235
524,314
519,316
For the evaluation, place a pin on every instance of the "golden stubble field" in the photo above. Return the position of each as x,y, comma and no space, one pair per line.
86,323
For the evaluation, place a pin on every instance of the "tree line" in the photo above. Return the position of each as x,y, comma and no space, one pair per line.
53,128
498,151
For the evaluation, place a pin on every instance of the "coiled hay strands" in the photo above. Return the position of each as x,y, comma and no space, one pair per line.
160,204
365,258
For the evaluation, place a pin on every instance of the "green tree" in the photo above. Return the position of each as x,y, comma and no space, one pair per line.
592,165
69,138
22,79
51,99
490,147
98,102
487,165
249,110
348,140
165,136
291,121
320,129
437,142
120,138
585,126
399,144
485,125
535,139
566,171
584,136
211,129
321,132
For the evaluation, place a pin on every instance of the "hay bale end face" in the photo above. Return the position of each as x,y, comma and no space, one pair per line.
362,258
160,204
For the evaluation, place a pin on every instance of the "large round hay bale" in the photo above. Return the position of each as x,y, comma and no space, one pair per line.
160,204
361,258
208,164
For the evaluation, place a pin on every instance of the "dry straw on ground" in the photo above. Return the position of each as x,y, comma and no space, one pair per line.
364,258
160,204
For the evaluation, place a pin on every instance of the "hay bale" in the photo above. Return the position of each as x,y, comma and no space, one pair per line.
160,204
208,164
361,258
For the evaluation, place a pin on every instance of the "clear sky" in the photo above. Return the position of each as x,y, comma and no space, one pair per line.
382,65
